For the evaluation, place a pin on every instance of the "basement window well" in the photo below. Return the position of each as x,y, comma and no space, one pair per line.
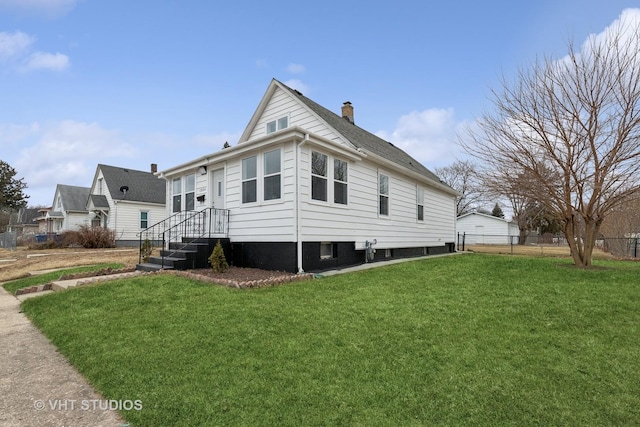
328,250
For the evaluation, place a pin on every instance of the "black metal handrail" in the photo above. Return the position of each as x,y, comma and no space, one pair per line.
191,225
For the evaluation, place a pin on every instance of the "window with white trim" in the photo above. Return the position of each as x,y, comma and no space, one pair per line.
272,175
250,179
183,193
383,194
318,176
279,124
340,181
144,219
176,191
190,192
420,203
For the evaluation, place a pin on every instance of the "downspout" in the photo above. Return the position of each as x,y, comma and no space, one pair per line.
115,225
298,204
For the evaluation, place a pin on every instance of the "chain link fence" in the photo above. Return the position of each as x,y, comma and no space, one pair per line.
548,244
8,240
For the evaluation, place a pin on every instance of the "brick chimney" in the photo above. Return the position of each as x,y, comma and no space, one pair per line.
154,168
347,112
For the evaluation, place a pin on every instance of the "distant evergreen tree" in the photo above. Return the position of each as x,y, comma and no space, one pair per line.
12,198
497,211
11,195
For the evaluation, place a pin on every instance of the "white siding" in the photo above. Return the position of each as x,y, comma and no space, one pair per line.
485,229
263,221
359,220
282,104
73,220
125,218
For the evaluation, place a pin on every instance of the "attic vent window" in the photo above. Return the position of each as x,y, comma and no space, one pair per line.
274,125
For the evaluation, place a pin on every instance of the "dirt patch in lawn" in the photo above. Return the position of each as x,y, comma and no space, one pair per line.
22,262
533,250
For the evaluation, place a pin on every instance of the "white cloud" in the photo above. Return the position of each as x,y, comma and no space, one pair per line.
429,136
65,152
45,8
627,25
49,61
14,44
12,134
296,68
15,52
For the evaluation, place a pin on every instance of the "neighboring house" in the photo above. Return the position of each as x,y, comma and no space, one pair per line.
68,211
480,229
26,225
43,224
308,190
126,201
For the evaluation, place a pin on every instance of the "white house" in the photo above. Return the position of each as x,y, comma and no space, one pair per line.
126,201
480,229
68,210
307,190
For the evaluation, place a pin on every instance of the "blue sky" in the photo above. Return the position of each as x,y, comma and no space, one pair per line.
129,83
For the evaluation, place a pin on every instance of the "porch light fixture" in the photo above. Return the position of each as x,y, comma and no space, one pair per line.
202,170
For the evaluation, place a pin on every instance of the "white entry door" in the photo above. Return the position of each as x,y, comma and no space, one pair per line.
217,201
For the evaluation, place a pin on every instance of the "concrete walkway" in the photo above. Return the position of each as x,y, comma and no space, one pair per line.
38,386
376,264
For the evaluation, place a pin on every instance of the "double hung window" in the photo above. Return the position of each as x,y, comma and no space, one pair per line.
383,194
318,176
262,177
250,179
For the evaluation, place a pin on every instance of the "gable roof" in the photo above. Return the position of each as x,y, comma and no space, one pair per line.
98,201
27,216
361,138
74,198
142,186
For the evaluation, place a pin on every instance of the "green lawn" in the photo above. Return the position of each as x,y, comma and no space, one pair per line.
462,340
42,279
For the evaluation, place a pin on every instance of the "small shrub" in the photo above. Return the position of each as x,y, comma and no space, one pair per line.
146,249
92,237
217,259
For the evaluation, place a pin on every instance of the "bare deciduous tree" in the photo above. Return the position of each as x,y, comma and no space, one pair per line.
572,126
462,176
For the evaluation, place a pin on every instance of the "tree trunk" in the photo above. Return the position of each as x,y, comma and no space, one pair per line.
581,244
522,238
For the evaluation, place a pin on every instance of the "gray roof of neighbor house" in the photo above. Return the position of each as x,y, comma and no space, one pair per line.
27,216
99,201
361,138
73,198
141,186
